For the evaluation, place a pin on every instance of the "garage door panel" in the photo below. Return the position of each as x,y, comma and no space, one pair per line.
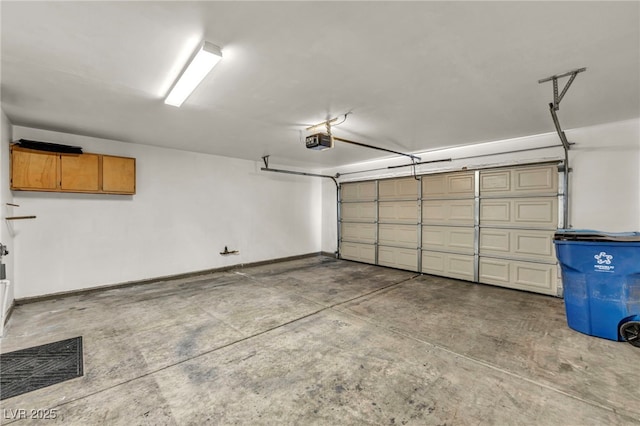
395,257
434,186
495,181
434,211
517,243
494,271
521,180
447,185
536,212
358,191
461,212
520,212
461,266
358,252
536,179
533,244
358,232
461,184
448,238
398,235
461,239
536,277
495,241
398,211
448,264
433,263
448,212
532,275
434,237
495,211
398,189
365,212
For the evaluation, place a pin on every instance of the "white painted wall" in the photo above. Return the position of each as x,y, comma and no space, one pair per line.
188,206
606,177
604,184
6,232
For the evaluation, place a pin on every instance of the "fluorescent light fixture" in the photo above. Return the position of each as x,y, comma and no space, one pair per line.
204,60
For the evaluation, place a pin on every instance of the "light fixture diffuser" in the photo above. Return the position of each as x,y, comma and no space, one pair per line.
203,61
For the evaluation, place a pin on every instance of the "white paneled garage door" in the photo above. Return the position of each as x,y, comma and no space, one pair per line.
448,225
358,221
493,226
518,217
398,223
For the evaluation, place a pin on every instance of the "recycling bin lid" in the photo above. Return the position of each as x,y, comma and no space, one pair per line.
592,235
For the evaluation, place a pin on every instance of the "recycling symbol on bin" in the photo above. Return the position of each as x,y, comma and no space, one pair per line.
603,258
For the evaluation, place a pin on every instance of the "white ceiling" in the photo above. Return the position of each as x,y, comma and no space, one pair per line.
415,75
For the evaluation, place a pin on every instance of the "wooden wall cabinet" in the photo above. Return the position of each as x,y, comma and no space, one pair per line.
33,170
80,173
118,175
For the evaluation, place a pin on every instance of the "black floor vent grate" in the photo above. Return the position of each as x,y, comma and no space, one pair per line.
34,368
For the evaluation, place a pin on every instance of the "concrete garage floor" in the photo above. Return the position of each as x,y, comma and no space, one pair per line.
321,341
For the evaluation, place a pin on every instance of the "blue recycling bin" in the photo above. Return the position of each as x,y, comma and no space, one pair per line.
601,280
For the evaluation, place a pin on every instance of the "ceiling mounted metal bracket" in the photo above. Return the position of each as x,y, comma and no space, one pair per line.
557,98
553,107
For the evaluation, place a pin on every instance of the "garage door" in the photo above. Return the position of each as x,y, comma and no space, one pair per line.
493,226
448,225
398,223
380,222
518,217
358,229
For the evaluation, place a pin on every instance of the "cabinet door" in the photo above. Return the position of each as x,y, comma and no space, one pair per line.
79,172
118,174
34,170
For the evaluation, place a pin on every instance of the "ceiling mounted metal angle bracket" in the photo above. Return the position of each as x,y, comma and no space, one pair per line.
557,98
553,107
